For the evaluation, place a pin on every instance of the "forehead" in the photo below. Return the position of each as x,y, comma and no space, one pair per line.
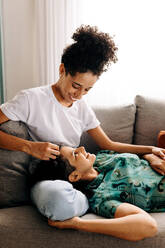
86,79
66,151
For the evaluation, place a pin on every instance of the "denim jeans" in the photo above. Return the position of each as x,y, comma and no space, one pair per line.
58,200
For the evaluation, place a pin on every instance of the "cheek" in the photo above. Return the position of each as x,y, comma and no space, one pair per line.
85,92
69,89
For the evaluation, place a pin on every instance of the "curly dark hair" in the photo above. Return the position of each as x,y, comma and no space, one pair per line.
92,51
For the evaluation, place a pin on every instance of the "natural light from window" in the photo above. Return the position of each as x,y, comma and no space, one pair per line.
138,30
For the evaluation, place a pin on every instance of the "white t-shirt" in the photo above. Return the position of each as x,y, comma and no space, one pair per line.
47,119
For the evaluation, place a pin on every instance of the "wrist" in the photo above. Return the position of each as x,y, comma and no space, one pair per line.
26,147
153,147
78,223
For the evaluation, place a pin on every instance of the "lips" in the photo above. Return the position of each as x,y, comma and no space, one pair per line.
73,99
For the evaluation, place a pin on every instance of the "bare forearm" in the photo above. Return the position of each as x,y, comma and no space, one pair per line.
106,143
13,143
133,227
138,149
41,150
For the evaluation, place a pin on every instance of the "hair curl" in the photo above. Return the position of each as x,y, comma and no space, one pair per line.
91,51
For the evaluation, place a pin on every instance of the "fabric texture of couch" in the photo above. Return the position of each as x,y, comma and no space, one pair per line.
20,223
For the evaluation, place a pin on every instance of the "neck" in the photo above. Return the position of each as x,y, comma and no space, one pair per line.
91,175
58,95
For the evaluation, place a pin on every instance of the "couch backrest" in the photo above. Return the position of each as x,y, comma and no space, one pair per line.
117,122
149,121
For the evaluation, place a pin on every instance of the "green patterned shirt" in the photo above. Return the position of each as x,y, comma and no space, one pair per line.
125,178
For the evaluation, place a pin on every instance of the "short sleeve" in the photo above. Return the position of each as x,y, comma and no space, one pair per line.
89,118
107,208
17,109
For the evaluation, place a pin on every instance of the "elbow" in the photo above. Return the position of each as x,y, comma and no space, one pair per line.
148,230
152,229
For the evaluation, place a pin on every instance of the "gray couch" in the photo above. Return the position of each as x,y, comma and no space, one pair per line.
22,226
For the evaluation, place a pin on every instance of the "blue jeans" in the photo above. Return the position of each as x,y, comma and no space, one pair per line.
58,200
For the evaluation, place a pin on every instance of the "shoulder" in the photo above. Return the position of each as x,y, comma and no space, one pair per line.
37,94
38,90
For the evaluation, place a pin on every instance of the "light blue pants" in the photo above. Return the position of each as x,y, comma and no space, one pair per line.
58,200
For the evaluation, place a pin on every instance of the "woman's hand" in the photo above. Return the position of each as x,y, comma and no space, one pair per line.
70,223
160,152
157,163
42,150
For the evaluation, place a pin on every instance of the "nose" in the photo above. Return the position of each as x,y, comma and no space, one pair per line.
82,150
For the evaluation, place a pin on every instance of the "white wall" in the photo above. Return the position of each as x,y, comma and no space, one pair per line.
20,69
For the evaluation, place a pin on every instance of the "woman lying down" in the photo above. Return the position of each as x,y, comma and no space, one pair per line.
121,187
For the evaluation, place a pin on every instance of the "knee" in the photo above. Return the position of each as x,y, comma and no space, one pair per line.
58,200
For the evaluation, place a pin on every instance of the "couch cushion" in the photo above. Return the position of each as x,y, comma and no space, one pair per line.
13,169
117,122
25,227
150,119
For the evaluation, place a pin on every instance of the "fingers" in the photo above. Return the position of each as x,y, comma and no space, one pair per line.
53,223
69,223
159,152
59,224
44,150
53,151
160,171
162,155
160,168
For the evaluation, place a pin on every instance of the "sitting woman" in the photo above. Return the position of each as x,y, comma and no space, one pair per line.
121,187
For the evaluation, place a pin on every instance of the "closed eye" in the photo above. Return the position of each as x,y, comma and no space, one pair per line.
78,86
75,85
75,154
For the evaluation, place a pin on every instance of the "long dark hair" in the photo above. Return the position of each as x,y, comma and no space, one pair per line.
58,169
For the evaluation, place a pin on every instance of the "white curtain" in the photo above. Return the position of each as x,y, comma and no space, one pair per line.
56,20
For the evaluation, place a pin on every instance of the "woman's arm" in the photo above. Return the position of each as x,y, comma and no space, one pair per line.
130,223
106,143
41,150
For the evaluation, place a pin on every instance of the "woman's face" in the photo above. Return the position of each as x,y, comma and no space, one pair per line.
78,158
72,88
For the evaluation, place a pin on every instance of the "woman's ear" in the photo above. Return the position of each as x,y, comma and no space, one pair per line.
61,69
74,176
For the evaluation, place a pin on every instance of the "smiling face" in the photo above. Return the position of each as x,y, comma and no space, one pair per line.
71,88
79,159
